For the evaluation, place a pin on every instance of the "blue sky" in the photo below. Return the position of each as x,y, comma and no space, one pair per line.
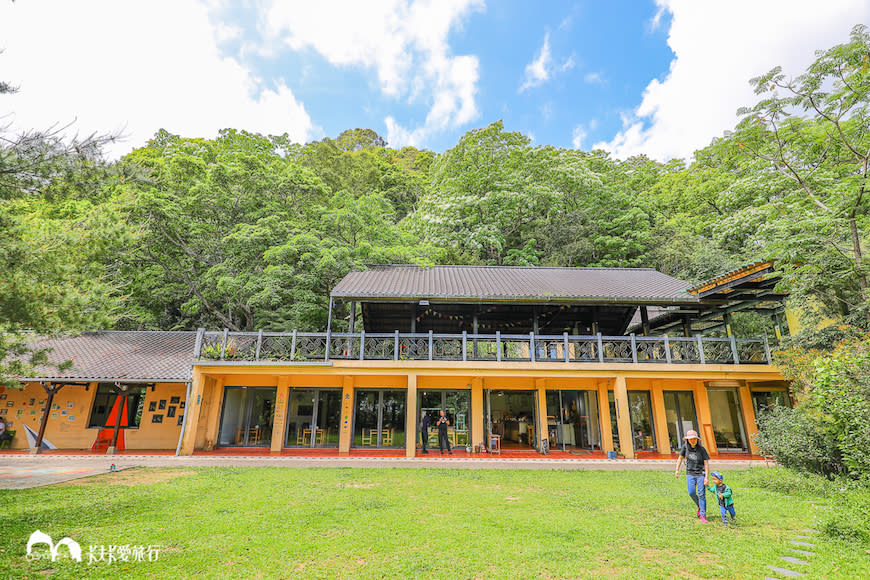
654,77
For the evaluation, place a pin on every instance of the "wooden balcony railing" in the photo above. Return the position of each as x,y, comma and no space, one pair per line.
262,346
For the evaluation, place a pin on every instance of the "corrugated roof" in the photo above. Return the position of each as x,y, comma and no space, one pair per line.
735,274
121,355
513,283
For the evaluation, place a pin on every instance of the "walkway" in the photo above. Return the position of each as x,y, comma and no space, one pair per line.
19,471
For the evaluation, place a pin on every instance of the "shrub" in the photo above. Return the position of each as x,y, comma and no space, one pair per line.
798,440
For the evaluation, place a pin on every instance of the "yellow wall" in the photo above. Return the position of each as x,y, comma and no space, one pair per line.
67,426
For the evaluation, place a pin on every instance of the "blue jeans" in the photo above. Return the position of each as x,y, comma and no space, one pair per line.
727,510
697,491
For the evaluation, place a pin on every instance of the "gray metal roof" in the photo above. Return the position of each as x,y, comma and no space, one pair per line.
121,356
539,284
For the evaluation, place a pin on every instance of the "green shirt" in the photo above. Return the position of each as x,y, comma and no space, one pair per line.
725,500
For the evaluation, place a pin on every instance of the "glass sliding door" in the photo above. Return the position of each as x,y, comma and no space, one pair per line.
572,419
313,418
614,423
640,411
379,420
727,420
247,416
456,405
680,415
514,417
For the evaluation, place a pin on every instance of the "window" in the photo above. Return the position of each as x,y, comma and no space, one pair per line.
105,399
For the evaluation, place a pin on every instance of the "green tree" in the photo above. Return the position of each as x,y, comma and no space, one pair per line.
814,131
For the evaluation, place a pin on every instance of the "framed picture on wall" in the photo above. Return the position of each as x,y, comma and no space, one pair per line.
170,412
157,418
174,400
152,406
69,405
182,404
181,419
2,411
162,404
2,396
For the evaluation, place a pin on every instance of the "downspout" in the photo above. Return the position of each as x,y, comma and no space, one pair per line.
196,348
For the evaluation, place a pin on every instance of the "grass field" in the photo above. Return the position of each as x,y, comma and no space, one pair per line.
443,523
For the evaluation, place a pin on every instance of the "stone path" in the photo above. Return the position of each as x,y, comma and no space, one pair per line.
796,562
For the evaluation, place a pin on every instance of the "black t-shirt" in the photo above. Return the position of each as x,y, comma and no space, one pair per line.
695,458
442,425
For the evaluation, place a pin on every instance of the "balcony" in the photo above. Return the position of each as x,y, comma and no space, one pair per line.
322,347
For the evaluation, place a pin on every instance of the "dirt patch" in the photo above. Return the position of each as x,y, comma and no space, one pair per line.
134,476
358,485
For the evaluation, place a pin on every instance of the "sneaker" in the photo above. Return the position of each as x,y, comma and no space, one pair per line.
725,523
703,519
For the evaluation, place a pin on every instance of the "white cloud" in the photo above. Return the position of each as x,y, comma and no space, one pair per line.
542,69
538,71
718,47
406,43
578,135
593,78
135,68
581,131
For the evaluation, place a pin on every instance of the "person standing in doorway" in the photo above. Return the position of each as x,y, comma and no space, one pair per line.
697,471
443,441
425,422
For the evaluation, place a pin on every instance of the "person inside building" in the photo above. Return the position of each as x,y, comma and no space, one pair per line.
425,421
443,441
4,434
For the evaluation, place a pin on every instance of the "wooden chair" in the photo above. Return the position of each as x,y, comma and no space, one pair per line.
371,438
300,436
387,437
495,444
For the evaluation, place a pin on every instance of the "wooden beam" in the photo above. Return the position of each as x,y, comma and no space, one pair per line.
50,391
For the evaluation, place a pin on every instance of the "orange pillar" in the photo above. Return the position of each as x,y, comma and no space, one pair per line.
192,410
623,417
411,417
748,417
705,419
345,435
604,416
542,427
279,422
660,419
478,413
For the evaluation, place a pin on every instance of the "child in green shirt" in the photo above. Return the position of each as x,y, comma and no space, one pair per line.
724,494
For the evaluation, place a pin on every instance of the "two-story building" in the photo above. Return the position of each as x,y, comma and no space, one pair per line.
580,360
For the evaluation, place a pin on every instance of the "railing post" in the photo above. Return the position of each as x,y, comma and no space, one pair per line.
532,345
293,346
431,345
633,348
224,343
197,347
667,349
600,349
362,344
766,349
328,341
259,344
464,344
701,349
734,350
396,347
565,347
498,345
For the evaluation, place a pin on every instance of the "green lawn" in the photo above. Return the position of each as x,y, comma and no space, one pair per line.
445,523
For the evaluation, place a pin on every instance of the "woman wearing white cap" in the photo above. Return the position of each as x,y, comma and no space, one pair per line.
697,471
